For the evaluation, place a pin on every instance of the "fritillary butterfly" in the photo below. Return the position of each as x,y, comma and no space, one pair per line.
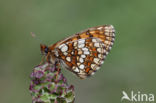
84,52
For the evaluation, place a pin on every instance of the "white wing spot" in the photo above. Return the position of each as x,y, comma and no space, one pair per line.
85,49
81,66
111,43
104,56
107,30
92,73
108,38
107,33
99,28
68,59
99,50
104,51
81,41
102,62
78,63
94,40
80,51
72,52
97,68
106,27
73,67
76,69
65,53
83,56
81,60
100,56
107,42
96,60
63,47
110,48
97,44
113,39
86,52
81,45
93,66
75,44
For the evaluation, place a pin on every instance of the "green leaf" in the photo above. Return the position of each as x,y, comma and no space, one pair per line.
70,96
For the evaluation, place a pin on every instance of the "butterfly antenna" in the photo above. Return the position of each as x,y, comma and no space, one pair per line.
33,35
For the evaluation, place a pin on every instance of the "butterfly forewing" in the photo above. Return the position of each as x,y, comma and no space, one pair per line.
84,52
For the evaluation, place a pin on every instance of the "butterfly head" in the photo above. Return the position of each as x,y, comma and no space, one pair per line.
44,49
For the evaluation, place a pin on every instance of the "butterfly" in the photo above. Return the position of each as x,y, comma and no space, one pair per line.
82,53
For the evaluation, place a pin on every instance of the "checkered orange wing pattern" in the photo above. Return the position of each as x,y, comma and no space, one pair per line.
85,52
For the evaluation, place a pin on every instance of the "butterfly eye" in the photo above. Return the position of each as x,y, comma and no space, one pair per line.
46,50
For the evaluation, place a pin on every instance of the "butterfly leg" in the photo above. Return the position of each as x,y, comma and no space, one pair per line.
42,61
58,69
56,64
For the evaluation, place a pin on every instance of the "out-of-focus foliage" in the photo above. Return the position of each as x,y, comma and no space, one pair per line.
129,66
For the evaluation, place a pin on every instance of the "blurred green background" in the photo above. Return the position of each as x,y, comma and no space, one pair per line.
131,64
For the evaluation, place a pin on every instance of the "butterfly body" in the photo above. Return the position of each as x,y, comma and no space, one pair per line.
82,53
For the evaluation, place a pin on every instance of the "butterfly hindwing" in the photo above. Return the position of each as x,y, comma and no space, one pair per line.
83,53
